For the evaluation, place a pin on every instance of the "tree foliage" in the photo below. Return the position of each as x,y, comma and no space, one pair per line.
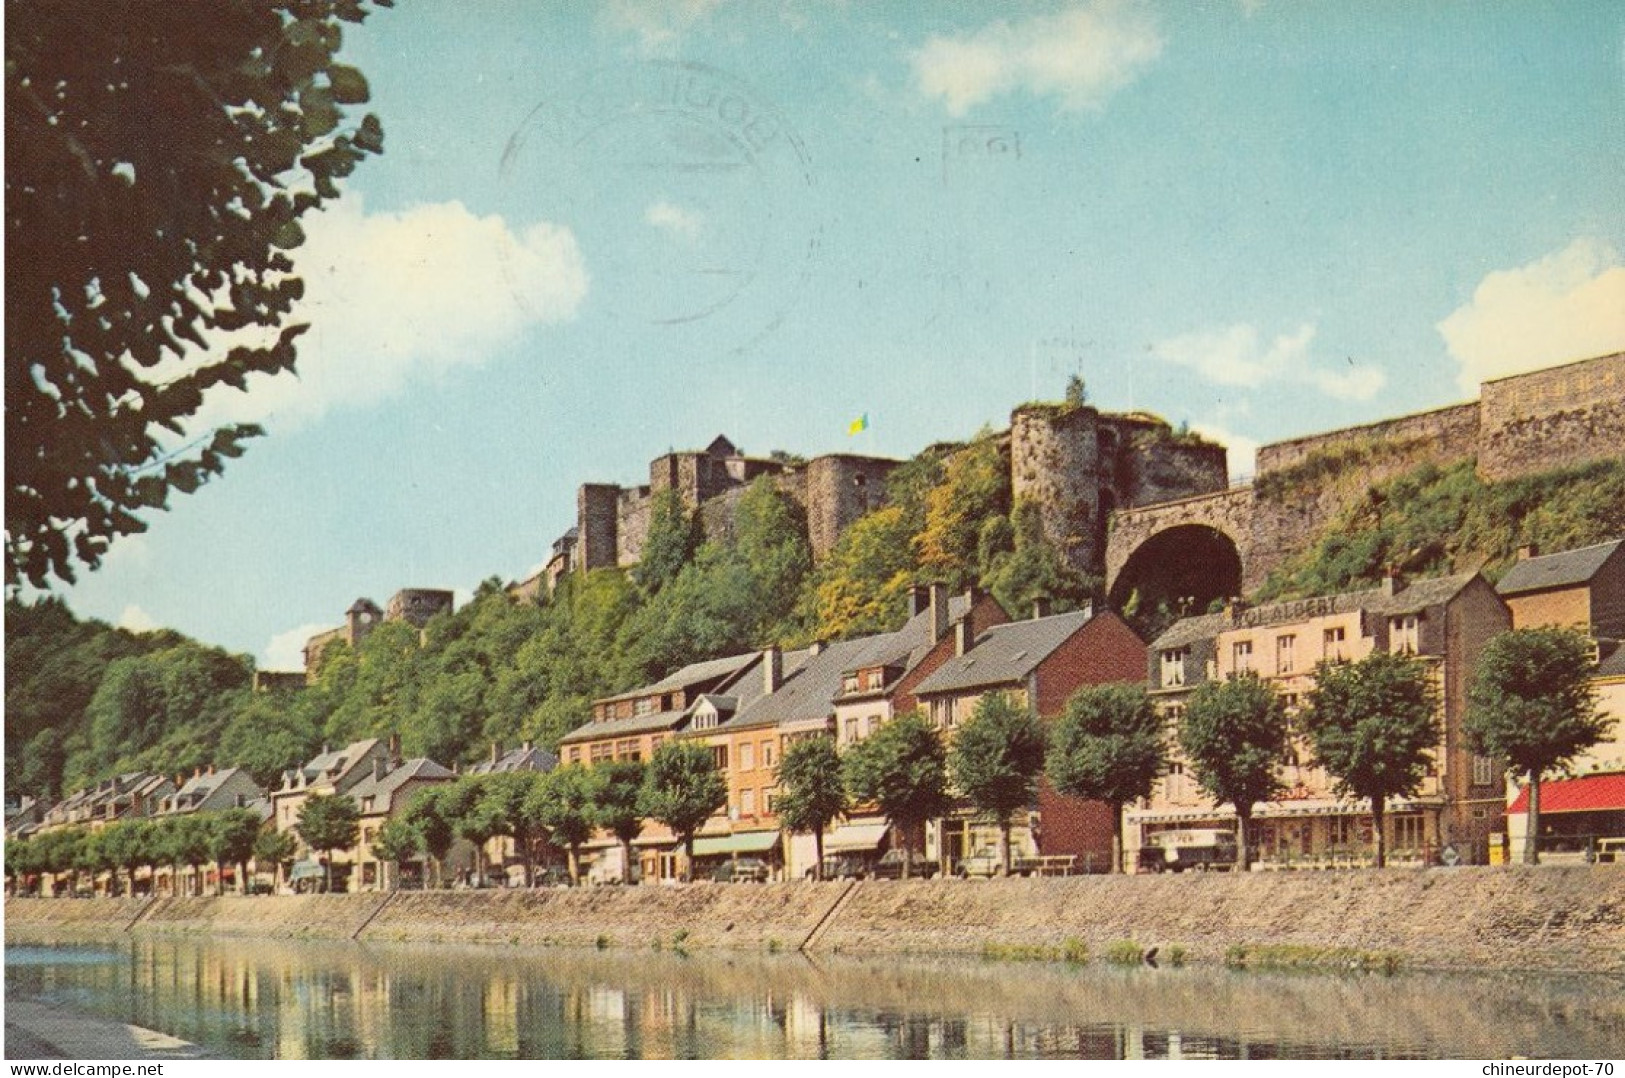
328,823
564,803
617,805
1109,746
1533,706
975,486
674,535
165,154
996,760
1374,726
1235,735
812,792
682,788
902,769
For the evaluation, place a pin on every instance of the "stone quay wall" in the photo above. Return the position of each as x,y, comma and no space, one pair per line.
1510,917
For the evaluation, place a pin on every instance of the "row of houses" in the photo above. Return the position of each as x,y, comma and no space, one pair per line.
956,648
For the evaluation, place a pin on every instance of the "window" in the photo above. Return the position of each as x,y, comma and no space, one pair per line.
1331,645
747,802
874,723
851,731
705,719
1404,631
366,804
747,757
645,706
767,754
1284,647
1340,831
849,683
1241,656
575,754
873,679
656,741
627,749
602,751
1407,832
719,756
768,799
1173,666
1483,771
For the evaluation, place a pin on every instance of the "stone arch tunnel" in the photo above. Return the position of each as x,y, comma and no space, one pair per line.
1185,553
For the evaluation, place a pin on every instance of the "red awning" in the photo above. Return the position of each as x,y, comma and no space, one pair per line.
1590,793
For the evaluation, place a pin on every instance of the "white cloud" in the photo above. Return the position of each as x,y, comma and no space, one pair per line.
136,620
397,298
1241,456
658,24
1568,305
673,219
1081,56
286,651
1235,356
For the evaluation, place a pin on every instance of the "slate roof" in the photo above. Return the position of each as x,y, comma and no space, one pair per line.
197,789
337,762
518,759
806,693
691,674
1562,570
654,722
1005,653
383,789
1409,599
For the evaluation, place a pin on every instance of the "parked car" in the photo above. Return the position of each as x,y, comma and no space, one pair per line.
743,870
551,876
890,867
841,866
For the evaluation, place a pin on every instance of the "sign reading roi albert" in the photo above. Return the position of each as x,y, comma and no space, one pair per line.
1278,613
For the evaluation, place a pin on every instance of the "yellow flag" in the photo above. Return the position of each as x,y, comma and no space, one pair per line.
858,425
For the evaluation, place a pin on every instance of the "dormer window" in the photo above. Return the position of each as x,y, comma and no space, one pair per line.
1404,633
849,683
1173,666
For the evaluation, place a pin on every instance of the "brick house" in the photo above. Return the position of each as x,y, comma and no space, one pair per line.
1039,662
1582,589
383,795
1445,622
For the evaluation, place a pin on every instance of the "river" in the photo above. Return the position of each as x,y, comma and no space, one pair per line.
262,1000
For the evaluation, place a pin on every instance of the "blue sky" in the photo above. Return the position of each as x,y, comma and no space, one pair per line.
602,231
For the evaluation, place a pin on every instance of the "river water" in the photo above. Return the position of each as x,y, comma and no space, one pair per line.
258,1000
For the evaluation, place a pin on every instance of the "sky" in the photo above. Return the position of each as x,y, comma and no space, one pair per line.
602,231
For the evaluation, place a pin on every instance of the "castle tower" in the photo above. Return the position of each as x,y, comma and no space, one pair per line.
1055,462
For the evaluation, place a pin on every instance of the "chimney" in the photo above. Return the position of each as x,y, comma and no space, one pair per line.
772,669
939,612
1527,551
527,746
197,772
919,600
496,751
1040,607
965,633
395,748
1391,582
815,648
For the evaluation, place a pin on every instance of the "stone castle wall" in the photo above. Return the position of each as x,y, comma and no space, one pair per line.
1568,415
1440,436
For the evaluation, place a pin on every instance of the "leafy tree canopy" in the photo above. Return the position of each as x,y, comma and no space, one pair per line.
164,156
812,793
1108,745
682,787
1532,703
1235,735
902,769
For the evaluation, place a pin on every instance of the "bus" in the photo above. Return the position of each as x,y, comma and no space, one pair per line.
1199,849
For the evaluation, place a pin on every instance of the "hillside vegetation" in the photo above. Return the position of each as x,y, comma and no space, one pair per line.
85,701
1432,521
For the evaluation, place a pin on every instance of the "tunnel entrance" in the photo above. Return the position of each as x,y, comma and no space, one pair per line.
1175,573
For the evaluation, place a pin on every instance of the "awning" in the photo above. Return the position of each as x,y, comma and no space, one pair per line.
1590,793
855,836
306,870
747,842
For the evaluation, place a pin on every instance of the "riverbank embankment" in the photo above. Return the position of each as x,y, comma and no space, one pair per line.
1514,917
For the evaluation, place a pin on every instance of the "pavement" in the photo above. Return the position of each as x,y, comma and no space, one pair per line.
37,1030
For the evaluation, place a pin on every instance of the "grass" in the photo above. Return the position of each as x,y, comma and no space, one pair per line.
1300,956
602,942
1074,951
1124,953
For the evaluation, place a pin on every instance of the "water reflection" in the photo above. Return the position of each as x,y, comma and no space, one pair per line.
294,1001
